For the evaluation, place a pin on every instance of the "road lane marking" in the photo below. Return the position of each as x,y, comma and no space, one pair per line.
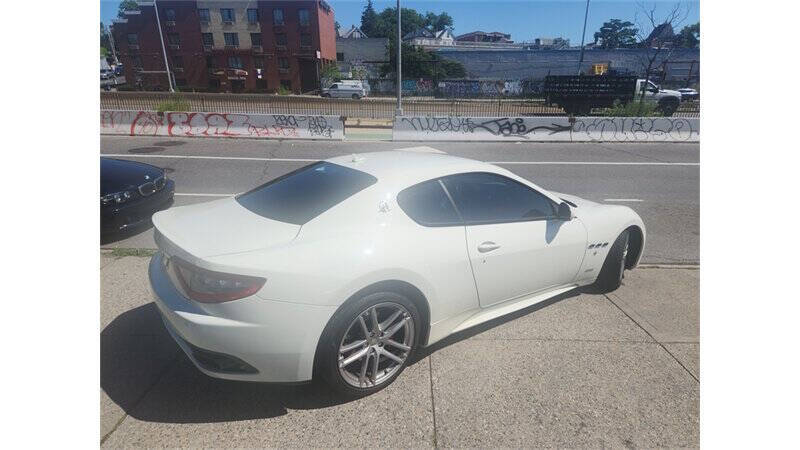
622,200
556,163
594,163
192,194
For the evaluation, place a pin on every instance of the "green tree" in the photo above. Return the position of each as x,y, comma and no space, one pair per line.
126,5
369,20
438,22
689,37
421,63
616,34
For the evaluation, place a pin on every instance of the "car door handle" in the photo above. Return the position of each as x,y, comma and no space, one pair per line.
487,247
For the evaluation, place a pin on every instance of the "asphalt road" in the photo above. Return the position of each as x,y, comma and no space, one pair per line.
660,181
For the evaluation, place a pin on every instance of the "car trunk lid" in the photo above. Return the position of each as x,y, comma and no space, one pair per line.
217,228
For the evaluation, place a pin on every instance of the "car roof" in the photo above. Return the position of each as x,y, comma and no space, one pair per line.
404,168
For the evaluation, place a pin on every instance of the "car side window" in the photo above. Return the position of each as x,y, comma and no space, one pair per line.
333,86
427,204
483,198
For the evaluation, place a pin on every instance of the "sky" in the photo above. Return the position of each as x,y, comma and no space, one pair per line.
525,20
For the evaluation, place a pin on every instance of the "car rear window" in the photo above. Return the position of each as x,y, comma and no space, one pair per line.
299,196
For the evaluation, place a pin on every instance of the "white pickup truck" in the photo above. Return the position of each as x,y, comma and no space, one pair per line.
579,94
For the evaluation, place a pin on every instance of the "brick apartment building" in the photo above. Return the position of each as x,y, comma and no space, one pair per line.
228,46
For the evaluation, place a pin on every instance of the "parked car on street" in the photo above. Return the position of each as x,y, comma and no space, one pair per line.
345,267
345,89
130,192
689,94
579,94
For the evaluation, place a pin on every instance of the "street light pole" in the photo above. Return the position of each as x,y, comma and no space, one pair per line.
163,48
399,111
583,36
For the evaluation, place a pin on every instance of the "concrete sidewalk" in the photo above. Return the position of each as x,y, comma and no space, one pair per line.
584,370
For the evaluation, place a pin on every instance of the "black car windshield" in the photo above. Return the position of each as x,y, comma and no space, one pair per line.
299,196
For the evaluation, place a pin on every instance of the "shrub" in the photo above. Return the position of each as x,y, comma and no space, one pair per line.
176,103
283,91
633,108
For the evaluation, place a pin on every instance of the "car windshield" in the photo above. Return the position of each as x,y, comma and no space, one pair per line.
299,196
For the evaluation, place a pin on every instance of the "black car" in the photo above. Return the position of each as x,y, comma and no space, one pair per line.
130,192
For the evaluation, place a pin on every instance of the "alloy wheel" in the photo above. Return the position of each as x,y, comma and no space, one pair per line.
376,345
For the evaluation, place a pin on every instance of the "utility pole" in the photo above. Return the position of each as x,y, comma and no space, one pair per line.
110,34
399,111
583,36
163,48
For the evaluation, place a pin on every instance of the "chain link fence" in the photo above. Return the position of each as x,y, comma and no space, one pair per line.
367,108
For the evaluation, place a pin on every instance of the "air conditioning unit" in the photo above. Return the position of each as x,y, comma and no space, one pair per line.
282,70
207,48
227,22
133,46
170,23
174,47
229,47
178,69
281,47
258,48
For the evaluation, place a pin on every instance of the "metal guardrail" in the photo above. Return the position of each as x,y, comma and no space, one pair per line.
368,108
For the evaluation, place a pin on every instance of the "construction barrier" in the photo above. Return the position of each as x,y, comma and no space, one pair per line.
578,129
204,124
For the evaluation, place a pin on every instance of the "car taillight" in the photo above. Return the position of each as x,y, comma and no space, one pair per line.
207,286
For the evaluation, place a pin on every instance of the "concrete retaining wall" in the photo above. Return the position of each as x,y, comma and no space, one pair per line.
265,126
581,129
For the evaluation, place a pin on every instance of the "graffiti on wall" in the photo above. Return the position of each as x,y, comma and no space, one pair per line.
636,128
549,128
148,123
514,127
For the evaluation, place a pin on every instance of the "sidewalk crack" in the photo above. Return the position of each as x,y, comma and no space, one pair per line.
433,403
653,338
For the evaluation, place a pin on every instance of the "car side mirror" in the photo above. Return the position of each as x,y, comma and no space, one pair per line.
564,212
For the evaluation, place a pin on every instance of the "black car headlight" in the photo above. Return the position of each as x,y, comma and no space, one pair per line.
115,198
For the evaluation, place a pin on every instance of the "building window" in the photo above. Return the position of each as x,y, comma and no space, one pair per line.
283,63
136,61
280,39
252,16
204,15
208,39
255,39
227,15
232,39
170,14
258,62
209,62
174,39
340,57
234,62
180,81
302,15
133,39
286,84
277,16
305,40
177,62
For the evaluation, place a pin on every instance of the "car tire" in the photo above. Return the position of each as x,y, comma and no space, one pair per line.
355,96
326,95
345,329
613,270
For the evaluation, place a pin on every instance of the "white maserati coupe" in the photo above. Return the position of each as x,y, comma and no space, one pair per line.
345,267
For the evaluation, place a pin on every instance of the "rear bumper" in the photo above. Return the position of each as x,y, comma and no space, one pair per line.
278,340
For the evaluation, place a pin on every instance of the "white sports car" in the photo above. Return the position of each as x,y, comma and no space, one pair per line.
345,267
